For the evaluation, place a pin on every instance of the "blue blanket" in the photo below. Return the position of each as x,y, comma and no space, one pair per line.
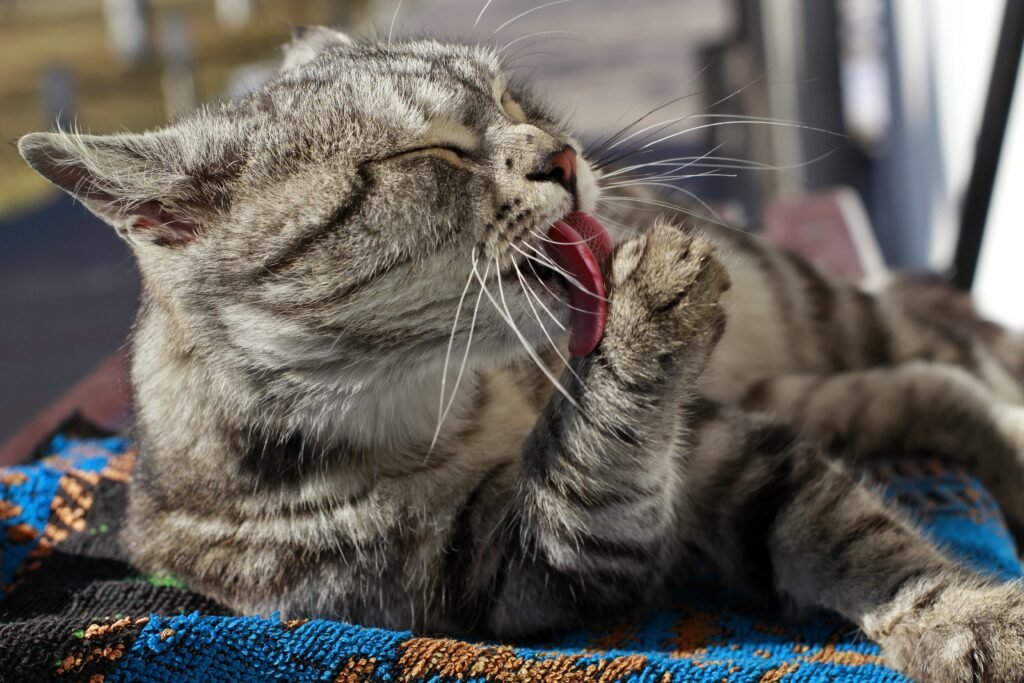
72,609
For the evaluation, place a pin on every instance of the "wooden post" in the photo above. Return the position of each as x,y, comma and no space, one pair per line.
58,88
233,14
178,81
128,30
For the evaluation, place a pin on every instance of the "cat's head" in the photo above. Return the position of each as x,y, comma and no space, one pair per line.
332,218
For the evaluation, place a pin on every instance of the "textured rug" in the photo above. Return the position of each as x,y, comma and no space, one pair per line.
72,609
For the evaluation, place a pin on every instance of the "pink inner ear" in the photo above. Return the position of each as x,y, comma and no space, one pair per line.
159,225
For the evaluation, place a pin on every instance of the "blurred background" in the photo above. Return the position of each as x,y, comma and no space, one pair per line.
886,97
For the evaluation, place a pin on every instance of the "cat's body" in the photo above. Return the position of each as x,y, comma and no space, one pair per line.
304,253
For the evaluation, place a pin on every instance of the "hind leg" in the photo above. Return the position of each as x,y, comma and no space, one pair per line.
917,407
772,512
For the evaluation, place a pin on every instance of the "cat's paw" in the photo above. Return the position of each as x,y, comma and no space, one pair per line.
663,305
970,635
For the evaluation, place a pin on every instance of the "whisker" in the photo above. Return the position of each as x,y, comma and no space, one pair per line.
532,67
741,122
653,180
526,345
530,261
479,16
536,53
544,238
659,107
768,119
542,33
747,165
733,121
714,104
393,18
528,291
716,163
596,147
537,296
545,260
447,358
652,202
717,220
708,162
518,52
670,161
694,197
706,155
666,122
652,111
614,223
613,158
529,11
469,342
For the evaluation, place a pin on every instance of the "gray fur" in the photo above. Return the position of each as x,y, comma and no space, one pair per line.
304,251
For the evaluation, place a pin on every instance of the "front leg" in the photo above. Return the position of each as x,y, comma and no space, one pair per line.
772,510
592,522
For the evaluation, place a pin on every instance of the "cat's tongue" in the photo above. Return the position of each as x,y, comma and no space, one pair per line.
579,244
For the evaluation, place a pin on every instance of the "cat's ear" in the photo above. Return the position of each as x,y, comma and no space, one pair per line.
310,41
136,183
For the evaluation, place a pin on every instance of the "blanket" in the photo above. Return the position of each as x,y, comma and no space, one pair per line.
72,609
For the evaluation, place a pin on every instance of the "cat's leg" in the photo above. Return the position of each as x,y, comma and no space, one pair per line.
772,511
916,407
786,316
932,297
619,485
591,533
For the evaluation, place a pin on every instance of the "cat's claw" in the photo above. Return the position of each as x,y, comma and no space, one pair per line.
967,636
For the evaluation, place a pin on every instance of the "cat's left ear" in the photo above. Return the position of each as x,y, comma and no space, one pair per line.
139,184
308,42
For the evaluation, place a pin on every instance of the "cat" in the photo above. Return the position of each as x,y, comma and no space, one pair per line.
318,436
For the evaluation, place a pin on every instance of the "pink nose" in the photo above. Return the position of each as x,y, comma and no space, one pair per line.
561,168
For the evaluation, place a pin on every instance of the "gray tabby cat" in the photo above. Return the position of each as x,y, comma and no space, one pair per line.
303,252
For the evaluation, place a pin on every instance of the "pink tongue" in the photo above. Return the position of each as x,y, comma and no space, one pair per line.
578,245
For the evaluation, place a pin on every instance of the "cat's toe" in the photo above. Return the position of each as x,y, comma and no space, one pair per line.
971,637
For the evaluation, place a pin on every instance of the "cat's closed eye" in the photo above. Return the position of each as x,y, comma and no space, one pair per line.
447,139
452,153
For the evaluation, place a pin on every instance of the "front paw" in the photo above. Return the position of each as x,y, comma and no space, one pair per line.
663,304
974,635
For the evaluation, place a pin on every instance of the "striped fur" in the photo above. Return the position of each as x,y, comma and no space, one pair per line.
304,251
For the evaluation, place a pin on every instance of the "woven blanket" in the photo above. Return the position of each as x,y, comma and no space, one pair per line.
72,609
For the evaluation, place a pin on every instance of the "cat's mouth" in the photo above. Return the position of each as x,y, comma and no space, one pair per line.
579,245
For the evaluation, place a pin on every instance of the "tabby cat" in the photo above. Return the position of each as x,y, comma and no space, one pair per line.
359,282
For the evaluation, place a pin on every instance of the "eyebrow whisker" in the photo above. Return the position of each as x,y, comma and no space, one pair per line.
529,11
542,33
479,16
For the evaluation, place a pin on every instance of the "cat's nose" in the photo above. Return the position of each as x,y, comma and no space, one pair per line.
560,167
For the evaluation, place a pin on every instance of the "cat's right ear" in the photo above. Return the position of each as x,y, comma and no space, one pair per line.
136,183
310,41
